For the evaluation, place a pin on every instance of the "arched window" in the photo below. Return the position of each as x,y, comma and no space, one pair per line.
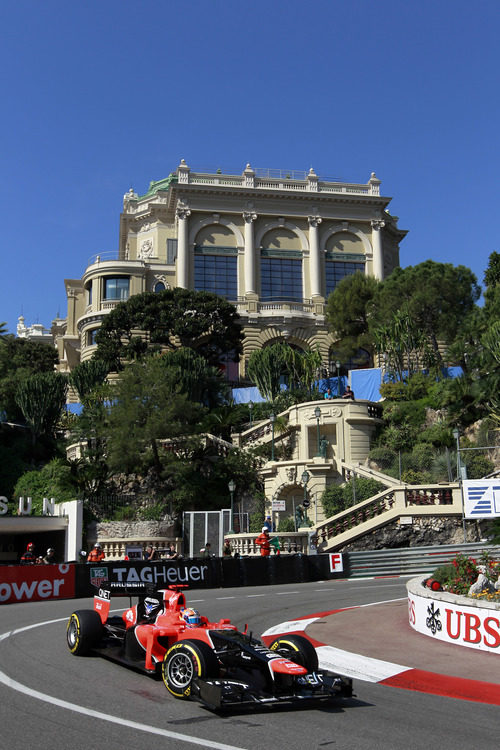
159,287
281,266
215,262
344,256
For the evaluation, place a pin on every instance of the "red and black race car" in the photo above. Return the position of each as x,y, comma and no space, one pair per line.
211,662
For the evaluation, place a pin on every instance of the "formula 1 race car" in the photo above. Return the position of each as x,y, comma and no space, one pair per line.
208,661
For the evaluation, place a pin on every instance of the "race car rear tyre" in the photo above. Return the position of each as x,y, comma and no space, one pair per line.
184,661
84,631
297,649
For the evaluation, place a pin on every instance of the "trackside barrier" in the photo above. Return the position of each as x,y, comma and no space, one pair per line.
213,572
412,560
23,583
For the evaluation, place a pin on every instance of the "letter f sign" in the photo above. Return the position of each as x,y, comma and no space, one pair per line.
336,564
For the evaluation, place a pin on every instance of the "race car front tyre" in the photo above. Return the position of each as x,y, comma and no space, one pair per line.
84,631
184,661
297,649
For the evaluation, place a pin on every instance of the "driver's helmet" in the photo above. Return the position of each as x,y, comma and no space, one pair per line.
152,607
191,617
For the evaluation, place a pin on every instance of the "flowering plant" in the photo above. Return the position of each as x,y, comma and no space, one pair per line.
463,572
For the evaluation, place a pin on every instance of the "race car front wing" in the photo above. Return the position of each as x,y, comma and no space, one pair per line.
227,693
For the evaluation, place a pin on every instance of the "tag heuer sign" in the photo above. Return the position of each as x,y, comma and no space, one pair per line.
98,576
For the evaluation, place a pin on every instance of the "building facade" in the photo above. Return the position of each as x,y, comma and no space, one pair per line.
275,244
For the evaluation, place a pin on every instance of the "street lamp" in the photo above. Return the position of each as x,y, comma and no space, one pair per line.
337,364
231,486
305,478
456,435
250,407
272,419
317,414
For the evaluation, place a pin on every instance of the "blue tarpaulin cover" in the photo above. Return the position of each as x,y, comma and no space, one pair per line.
366,383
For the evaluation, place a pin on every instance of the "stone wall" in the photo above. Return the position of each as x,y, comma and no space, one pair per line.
130,530
423,532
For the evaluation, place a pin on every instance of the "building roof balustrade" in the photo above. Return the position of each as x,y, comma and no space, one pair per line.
371,188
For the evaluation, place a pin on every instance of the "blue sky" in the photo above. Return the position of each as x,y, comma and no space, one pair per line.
102,95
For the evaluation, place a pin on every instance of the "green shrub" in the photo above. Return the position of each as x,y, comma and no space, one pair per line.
286,525
152,512
394,391
423,455
406,412
333,500
126,513
444,574
383,456
478,465
365,488
337,498
399,437
412,476
439,434
52,480
418,386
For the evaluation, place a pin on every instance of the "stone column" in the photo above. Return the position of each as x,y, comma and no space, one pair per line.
314,256
378,261
183,214
250,286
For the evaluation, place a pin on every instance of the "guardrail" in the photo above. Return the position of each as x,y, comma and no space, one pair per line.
410,560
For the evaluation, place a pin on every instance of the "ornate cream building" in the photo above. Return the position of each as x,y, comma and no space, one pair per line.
275,244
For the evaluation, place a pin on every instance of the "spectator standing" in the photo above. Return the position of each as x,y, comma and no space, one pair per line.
29,557
348,393
150,553
96,554
171,553
268,523
227,549
328,393
264,542
206,551
50,557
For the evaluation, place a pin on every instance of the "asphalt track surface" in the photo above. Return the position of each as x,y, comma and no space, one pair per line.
50,699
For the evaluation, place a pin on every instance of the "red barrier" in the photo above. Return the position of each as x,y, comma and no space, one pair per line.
34,583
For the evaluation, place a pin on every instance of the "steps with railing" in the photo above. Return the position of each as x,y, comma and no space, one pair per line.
389,505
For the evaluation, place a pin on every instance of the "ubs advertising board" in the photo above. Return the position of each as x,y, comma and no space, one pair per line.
34,583
455,623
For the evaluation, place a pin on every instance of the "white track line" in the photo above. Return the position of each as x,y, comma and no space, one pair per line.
14,685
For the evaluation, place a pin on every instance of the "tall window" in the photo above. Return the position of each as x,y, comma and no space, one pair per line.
281,278
217,273
89,293
91,336
116,287
171,251
336,270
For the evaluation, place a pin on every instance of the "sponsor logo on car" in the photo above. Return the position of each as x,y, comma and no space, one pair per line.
98,576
